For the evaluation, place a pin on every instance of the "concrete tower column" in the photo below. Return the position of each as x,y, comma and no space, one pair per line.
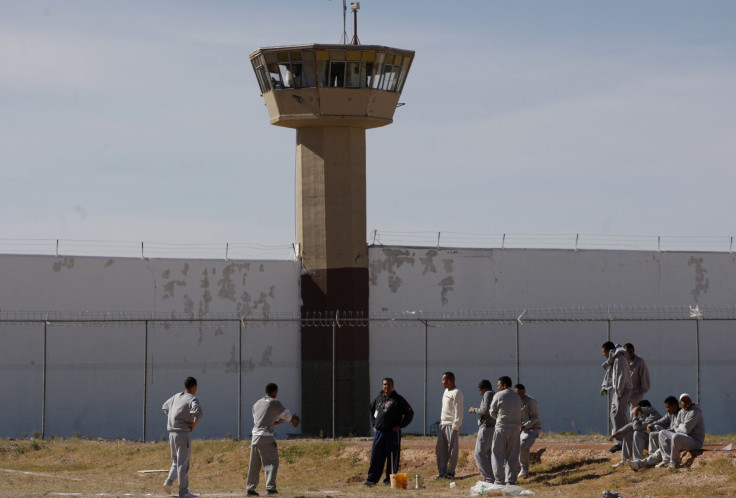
331,94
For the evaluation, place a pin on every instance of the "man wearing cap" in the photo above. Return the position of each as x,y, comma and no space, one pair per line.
484,441
688,434
390,413
639,376
617,383
531,426
506,408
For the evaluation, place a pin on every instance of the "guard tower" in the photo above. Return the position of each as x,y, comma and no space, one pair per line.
331,94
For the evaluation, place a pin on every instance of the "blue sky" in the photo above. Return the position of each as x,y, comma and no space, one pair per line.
142,121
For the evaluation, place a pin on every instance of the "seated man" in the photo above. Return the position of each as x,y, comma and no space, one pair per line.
635,436
687,435
669,421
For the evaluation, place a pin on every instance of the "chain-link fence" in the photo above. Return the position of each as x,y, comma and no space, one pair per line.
106,375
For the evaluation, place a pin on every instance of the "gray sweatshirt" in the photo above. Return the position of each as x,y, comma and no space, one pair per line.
506,409
266,412
666,422
530,414
182,410
618,375
639,375
484,411
691,422
647,415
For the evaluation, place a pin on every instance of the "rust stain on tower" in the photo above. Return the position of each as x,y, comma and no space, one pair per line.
331,94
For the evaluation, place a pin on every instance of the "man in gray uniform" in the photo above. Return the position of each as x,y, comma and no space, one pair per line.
267,413
687,435
183,413
531,426
484,441
506,409
617,384
639,372
635,432
669,421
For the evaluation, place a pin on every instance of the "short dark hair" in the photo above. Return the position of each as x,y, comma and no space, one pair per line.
608,345
271,388
644,402
505,380
671,400
449,375
629,345
190,382
389,379
520,386
485,384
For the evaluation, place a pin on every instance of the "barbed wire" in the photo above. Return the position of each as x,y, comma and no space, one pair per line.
341,319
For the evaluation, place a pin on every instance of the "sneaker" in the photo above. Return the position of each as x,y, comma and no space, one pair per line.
673,466
614,448
663,463
523,474
617,465
449,476
634,464
252,492
369,484
387,482
272,492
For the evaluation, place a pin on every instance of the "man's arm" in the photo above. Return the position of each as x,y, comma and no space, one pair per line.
644,382
458,422
533,413
407,414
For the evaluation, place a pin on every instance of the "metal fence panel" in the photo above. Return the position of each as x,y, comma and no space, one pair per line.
21,370
206,350
94,379
717,369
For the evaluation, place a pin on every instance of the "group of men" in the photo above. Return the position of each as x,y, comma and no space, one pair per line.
508,425
682,428
183,412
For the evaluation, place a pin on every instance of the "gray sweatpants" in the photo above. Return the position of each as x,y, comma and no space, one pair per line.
483,447
671,444
526,440
619,407
447,450
263,454
505,459
181,451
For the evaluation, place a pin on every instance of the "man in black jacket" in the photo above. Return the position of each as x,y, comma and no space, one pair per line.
390,413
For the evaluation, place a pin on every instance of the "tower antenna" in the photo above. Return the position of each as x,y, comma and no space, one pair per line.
355,7
344,39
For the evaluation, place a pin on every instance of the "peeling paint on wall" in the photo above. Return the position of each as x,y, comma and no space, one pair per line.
170,286
446,284
393,259
64,263
428,262
109,263
227,286
448,265
701,282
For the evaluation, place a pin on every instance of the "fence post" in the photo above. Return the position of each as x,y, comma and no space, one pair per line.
241,325
426,362
697,359
145,379
334,366
608,413
43,400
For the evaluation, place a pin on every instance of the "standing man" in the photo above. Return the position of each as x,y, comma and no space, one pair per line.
390,413
451,419
531,426
484,441
506,409
617,383
639,373
267,413
183,413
